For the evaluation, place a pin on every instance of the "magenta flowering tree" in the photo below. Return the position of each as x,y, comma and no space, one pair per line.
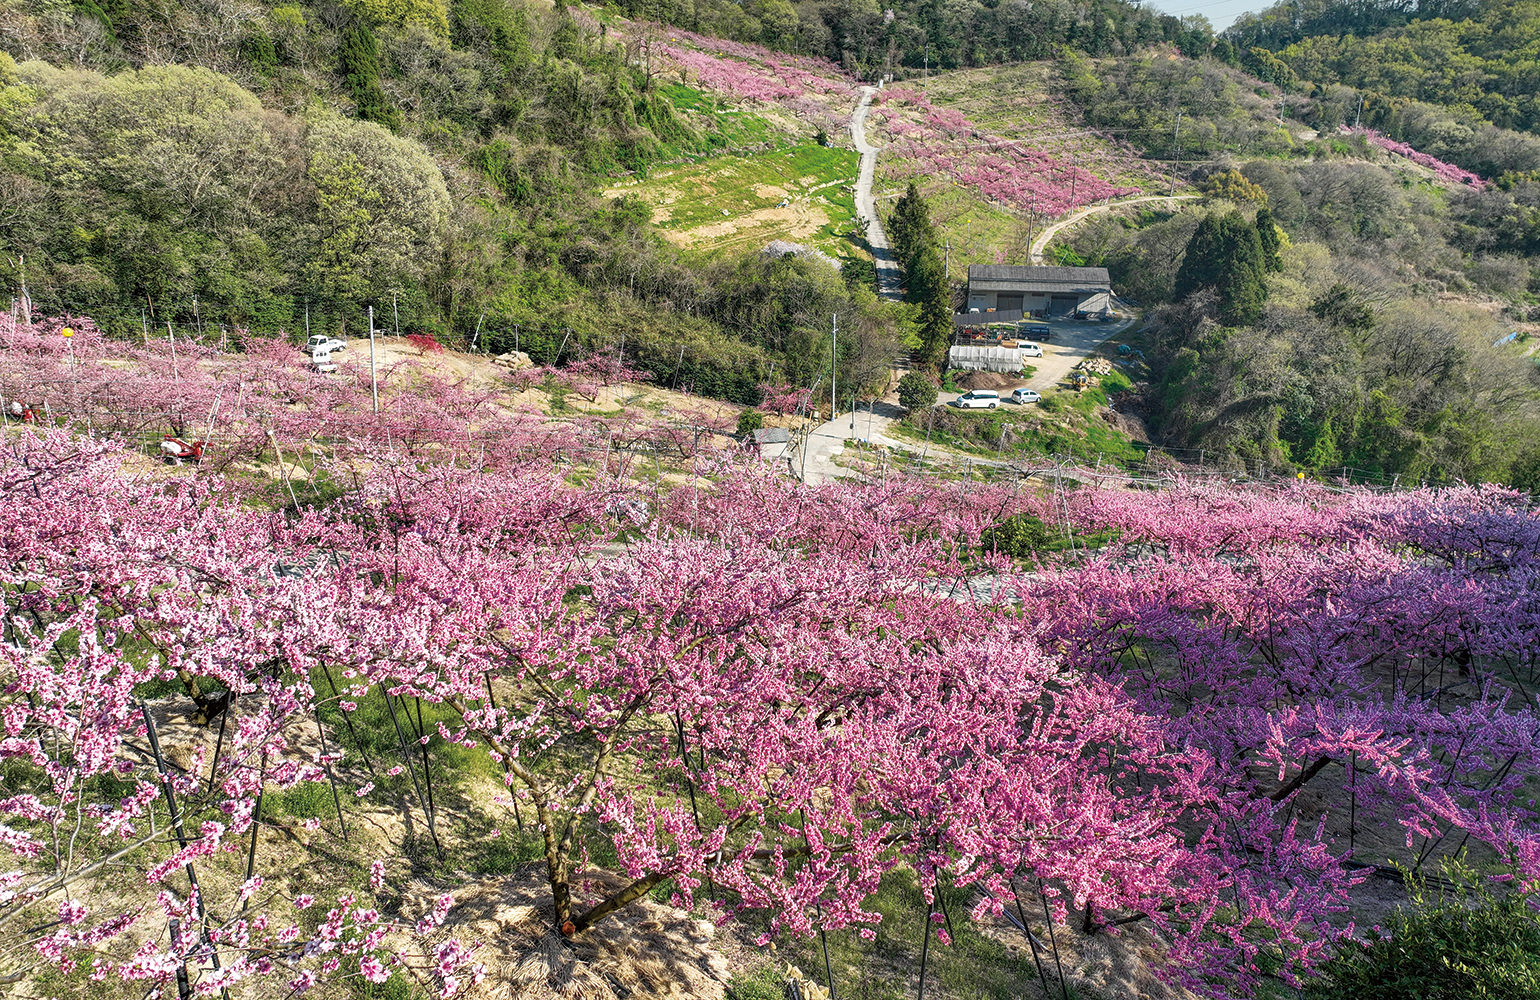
1204,714
753,73
942,142
111,586
1444,171
1344,662
782,400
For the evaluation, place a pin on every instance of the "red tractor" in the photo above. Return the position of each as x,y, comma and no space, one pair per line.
175,451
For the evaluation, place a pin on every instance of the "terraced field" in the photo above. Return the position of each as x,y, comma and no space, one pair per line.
1006,109
731,203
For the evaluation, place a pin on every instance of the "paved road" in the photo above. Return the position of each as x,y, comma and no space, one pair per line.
1072,341
1041,242
866,206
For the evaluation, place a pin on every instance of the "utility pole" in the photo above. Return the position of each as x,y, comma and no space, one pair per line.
396,314
374,382
925,85
26,300
948,267
834,342
1176,149
1360,116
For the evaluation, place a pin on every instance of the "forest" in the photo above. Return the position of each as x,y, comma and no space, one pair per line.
441,166
1399,262
1480,56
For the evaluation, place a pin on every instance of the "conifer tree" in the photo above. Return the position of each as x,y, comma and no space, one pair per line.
1201,263
1267,232
1225,254
909,228
358,60
927,286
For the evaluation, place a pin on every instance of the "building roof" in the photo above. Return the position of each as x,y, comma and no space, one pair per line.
1013,277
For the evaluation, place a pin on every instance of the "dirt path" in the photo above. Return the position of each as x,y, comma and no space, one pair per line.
1043,237
866,206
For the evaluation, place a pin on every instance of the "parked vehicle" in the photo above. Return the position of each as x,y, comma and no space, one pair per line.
1024,396
977,399
1030,350
321,361
320,343
1035,329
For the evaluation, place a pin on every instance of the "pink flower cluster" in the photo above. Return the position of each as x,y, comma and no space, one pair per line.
1445,171
944,143
748,52
782,399
753,73
1194,723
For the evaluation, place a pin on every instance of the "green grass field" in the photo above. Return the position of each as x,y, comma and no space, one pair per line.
734,203
977,231
723,125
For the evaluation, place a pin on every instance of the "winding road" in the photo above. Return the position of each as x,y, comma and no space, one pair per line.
1072,341
1036,250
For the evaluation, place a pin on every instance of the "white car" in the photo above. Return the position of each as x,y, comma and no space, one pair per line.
1024,396
1031,350
320,343
977,399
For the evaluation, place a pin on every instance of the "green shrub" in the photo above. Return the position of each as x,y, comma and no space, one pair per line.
749,421
916,392
1019,536
1465,941
259,50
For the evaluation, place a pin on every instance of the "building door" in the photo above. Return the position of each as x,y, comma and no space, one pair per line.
1063,305
1008,303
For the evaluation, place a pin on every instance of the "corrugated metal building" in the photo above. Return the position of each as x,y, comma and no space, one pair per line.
1009,290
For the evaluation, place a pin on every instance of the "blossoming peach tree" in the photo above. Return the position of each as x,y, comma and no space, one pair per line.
773,692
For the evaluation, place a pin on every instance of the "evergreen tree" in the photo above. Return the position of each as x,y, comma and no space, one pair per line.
1243,283
1202,262
358,60
565,39
927,286
909,228
1267,232
1225,254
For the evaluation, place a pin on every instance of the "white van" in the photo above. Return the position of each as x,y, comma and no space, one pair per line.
1030,350
977,399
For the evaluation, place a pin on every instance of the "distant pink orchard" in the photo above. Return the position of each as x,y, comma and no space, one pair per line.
1445,171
